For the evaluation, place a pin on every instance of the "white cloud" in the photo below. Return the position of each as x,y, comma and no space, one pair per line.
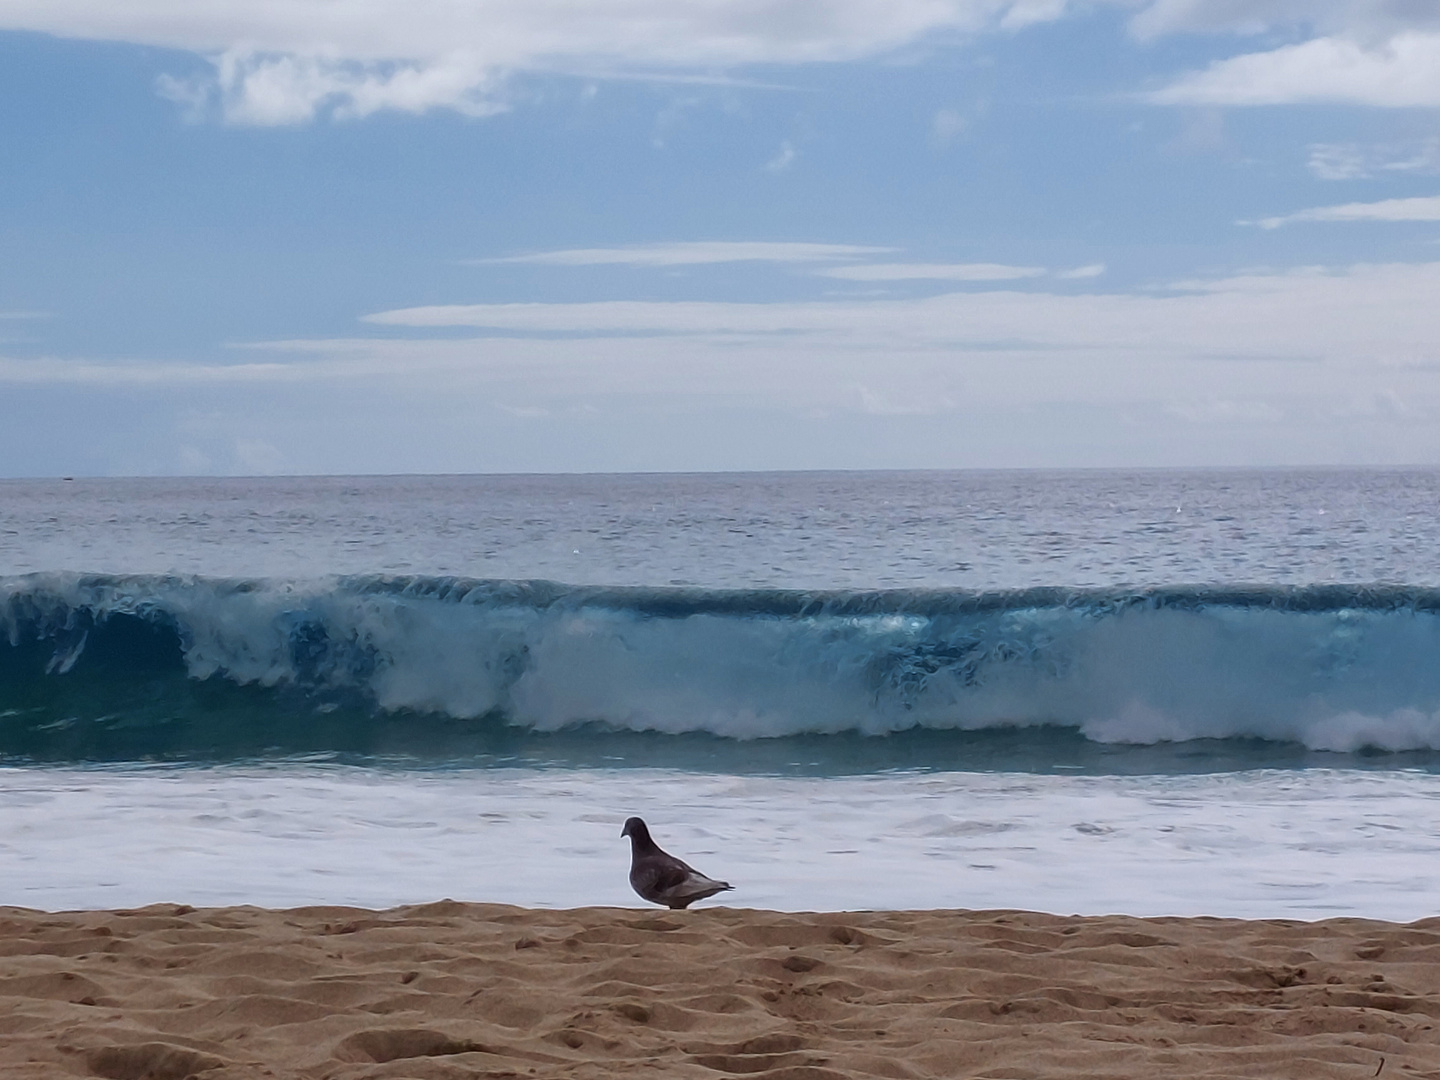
694,253
1234,351
524,412
1332,161
1226,354
1370,19
1362,314
256,457
1081,273
1351,161
1229,339
885,402
1365,52
933,272
1025,13
58,370
287,61
1221,411
284,61
1202,133
947,125
1424,208
604,317
194,462
783,159
271,90
1401,71
516,33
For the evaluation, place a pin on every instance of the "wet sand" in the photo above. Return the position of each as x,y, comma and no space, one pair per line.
451,990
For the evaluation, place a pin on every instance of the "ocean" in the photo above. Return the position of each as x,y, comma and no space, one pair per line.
1151,692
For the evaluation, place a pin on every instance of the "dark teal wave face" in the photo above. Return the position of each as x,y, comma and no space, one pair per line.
133,668
128,698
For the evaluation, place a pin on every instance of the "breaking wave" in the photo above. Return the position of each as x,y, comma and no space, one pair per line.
1335,668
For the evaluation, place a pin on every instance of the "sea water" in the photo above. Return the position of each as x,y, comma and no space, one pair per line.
1210,692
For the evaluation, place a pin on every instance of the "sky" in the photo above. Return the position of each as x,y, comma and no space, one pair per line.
374,236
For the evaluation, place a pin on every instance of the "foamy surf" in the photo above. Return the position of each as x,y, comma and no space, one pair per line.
1333,668
1297,844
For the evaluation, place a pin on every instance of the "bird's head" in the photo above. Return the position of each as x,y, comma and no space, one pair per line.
634,827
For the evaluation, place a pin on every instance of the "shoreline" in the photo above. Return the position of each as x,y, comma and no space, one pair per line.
449,990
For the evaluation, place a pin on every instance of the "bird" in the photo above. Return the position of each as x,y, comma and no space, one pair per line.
660,877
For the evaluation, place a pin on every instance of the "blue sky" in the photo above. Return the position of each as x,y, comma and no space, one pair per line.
366,236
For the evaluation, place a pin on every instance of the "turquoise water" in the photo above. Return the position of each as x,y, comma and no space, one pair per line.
1230,672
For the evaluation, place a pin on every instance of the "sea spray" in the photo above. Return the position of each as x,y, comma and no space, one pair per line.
1338,668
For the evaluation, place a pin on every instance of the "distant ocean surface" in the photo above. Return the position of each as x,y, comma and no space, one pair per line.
1207,692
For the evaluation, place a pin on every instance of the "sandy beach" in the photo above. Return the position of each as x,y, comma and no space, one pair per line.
451,990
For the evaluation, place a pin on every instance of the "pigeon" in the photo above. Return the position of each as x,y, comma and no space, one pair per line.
660,877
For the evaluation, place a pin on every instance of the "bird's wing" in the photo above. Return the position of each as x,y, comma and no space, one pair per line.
698,885
657,876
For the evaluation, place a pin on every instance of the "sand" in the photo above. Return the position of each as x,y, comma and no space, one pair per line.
450,990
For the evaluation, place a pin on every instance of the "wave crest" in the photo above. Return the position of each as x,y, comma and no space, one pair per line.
1332,667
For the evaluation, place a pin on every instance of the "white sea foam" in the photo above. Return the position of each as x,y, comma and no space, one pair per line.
1335,668
1293,844
124,653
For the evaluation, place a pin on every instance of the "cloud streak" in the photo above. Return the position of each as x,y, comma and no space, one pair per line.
1424,208
933,272
1400,72
1083,273
1232,354
692,253
276,63
1371,19
1351,161
1382,53
1306,313
1215,352
286,62
53,370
